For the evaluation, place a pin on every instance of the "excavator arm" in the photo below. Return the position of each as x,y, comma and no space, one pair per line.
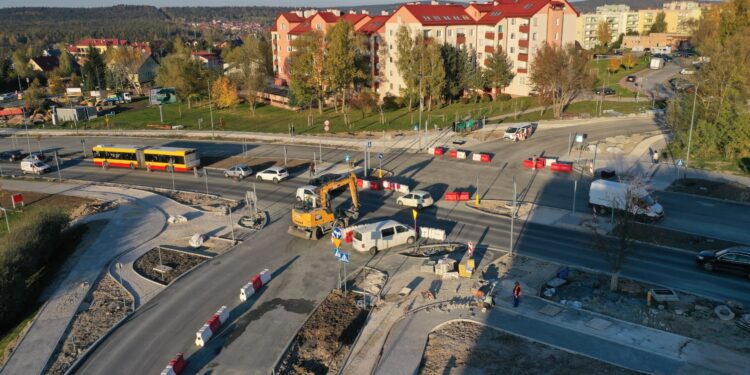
351,181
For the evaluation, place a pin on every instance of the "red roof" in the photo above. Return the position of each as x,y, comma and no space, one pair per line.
11,111
328,17
428,14
375,24
291,17
273,28
102,42
512,9
301,28
354,18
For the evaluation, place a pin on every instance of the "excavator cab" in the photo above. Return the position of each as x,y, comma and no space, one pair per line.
311,221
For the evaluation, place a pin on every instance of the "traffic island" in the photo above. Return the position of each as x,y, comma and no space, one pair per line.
163,265
502,207
203,202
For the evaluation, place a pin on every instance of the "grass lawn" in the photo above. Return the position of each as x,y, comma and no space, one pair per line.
33,201
612,79
10,338
270,119
587,108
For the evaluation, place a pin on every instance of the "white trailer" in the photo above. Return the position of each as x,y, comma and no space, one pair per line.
657,63
605,196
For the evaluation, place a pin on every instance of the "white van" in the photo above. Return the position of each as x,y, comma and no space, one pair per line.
308,192
35,167
382,235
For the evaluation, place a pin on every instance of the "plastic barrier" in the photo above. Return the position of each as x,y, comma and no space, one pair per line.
453,154
168,371
257,283
463,196
375,185
431,150
439,151
214,323
223,314
528,163
387,185
561,167
203,335
540,163
349,237
461,154
265,276
485,158
177,364
450,196
432,233
476,157
549,161
403,189
246,292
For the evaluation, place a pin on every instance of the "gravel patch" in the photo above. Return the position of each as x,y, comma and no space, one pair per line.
178,262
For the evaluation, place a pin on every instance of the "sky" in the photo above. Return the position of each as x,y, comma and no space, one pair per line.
102,3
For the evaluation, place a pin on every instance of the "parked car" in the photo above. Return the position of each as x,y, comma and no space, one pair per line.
687,71
381,236
238,171
631,78
34,167
734,259
37,156
606,90
515,132
417,199
275,174
14,155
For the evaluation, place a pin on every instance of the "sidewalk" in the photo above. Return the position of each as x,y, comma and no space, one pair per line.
133,228
579,331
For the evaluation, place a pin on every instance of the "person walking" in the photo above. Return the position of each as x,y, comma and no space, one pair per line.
516,294
312,169
656,156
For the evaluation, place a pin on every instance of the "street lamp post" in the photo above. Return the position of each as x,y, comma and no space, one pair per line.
7,223
210,109
26,126
690,133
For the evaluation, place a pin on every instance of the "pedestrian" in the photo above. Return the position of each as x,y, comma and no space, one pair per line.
516,294
312,168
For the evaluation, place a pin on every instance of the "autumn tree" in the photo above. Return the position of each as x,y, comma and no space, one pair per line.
660,24
306,68
124,63
55,84
366,101
433,72
629,60
34,96
75,81
67,64
249,70
559,74
408,50
613,65
624,223
224,93
343,45
499,71
604,33
180,71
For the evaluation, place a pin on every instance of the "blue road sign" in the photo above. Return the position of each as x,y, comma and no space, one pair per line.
679,162
369,144
337,233
346,158
380,156
337,253
344,257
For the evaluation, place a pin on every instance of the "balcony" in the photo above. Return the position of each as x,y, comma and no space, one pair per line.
523,57
489,35
499,36
523,43
460,38
522,70
524,28
489,49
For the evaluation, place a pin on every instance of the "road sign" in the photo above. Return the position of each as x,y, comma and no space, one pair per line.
337,243
327,126
471,249
344,257
337,253
680,163
337,233
347,157
369,144
416,127
414,213
380,156
17,199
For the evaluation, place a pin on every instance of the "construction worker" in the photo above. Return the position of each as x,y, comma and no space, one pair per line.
516,294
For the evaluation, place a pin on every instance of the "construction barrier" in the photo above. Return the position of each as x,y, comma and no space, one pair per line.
439,151
450,196
432,233
404,189
387,185
528,164
485,158
375,185
549,161
540,163
363,184
453,154
256,282
203,335
223,314
175,366
246,292
476,157
214,323
561,167
431,150
265,276
461,154
463,196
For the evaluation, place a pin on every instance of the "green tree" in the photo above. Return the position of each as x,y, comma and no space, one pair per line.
434,72
34,96
67,64
408,50
660,24
343,45
249,69
499,71
55,84
94,71
603,33
559,73
307,70
20,63
183,73
457,71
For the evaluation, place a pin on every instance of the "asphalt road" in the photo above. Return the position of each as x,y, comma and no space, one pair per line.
305,270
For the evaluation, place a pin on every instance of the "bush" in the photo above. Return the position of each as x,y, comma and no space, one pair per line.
486,98
25,254
465,100
503,97
391,103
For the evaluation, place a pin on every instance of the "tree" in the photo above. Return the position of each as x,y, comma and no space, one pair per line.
75,80
55,84
124,63
34,96
499,71
632,32
224,93
457,71
613,65
343,45
307,70
433,72
408,50
67,64
603,33
183,73
618,43
624,222
20,63
250,70
559,74
629,60
94,71
660,24
366,101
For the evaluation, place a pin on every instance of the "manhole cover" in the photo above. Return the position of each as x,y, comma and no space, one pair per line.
598,324
550,310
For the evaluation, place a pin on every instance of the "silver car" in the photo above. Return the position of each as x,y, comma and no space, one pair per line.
417,199
239,171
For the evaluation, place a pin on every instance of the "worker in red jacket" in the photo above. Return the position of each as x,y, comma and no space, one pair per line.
516,294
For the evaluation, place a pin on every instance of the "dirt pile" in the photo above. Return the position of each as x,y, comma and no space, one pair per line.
178,262
470,348
107,305
201,201
322,344
91,208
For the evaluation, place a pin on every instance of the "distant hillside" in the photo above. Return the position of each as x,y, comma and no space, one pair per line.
261,14
589,6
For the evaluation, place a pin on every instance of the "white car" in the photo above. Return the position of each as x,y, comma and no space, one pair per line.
238,171
34,167
382,236
687,71
417,199
275,174
307,192
36,156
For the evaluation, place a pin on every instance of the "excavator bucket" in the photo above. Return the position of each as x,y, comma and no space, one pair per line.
305,234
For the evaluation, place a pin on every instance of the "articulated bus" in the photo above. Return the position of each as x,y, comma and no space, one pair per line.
147,157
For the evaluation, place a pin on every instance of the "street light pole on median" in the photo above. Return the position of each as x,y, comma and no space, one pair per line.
513,214
210,109
690,133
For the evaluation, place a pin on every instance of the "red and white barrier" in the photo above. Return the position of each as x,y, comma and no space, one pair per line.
176,365
363,184
456,196
481,157
548,161
375,185
223,314
431,150
439,151
256,282
453,154
561,167
265,276
461,154
203,335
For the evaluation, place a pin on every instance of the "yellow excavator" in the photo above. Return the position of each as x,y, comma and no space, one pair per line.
312,219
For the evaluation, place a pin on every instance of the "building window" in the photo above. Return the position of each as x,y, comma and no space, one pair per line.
512,49
471,32
390,32
438,33
398,19
288,37
289,49
533,36
391,86
479,55
557,21
512,35
450,32
318,26
557,36
391,73
283,26
513,21
390,59
522,80
500,28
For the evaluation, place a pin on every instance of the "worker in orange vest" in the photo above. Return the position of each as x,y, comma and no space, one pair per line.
516,294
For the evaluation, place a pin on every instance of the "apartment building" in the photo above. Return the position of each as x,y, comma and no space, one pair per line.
676,14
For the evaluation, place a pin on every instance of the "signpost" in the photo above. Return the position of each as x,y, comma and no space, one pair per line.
470,251
380,165
327,126
336,235
414,213
17,199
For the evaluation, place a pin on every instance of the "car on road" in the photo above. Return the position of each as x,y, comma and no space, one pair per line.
606,91
307,192
238,171
631,78
515,132
14,155
686,71
36,156
275,174
34,167
381,236
735,259
417,199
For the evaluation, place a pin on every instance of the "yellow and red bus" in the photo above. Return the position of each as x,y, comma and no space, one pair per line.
147,157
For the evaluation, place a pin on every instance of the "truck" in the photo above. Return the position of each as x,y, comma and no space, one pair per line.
657,63
312,219
663,50
606,196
